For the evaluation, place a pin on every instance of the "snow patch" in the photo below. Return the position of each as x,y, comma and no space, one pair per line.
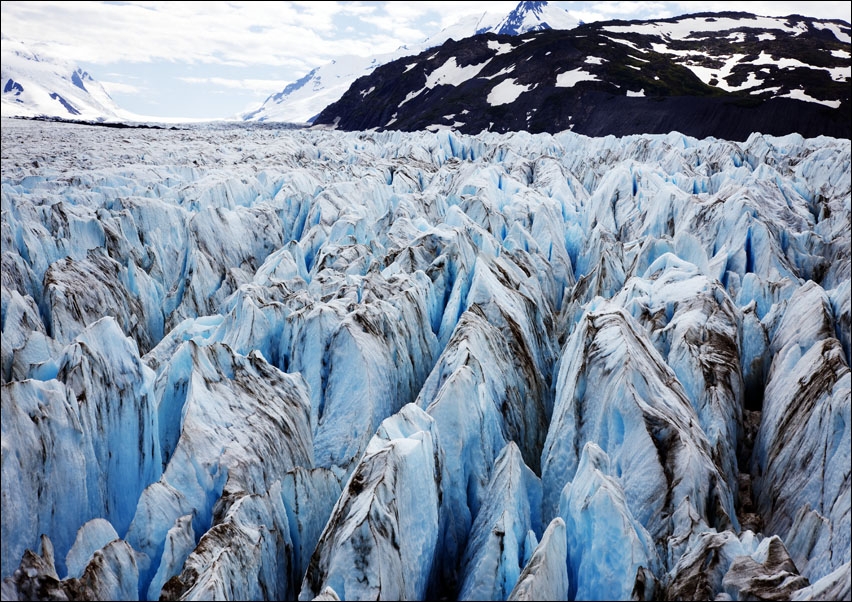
448,74
569,79
500,48
626,43
835,29
451,74
802,95
503,71
506,92
691,28
706,75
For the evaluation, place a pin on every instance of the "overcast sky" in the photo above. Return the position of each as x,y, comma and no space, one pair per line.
216,59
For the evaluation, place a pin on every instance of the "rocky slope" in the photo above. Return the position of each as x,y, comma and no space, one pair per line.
712,74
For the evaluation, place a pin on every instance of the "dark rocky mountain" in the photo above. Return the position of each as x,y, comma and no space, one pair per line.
709,74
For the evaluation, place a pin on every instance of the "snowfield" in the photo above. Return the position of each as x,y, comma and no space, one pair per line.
264,363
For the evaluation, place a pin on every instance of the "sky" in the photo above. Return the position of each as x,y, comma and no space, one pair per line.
218,59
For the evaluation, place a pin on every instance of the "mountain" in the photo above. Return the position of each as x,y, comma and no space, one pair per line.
303,99
37,85
710,74
533,16
245,363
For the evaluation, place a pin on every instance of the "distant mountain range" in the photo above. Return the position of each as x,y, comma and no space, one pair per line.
37,85
709,74
303,99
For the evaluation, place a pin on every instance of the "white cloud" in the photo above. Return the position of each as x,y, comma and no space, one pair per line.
821,10
256,86
294,35
211,32
120,88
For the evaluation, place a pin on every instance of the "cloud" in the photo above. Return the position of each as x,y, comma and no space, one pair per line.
210,32
820,10
293,35
120,88
256,86
626,9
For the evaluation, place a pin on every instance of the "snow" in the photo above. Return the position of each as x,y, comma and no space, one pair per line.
706,74
686,28
506,92
765,58
500,48
837,30
503,71
638,94
841,54
664,49
594,60
448,74
626,43
569,79
840,74
533,16
802,95
246,362
764,90
451,74
49,86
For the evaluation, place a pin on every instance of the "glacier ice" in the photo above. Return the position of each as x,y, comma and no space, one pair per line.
609,551
545,576
380,541
497,547
260,363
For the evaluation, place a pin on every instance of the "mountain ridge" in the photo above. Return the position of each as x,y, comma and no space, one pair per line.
38,85
304,99
709,74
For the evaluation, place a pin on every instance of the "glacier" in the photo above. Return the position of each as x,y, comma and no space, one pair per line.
244,362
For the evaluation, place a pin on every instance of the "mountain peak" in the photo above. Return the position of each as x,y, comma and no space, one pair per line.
534,16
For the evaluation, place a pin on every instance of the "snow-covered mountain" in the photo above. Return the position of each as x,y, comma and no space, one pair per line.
38,85
257,363
302,100
712,74
533,16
